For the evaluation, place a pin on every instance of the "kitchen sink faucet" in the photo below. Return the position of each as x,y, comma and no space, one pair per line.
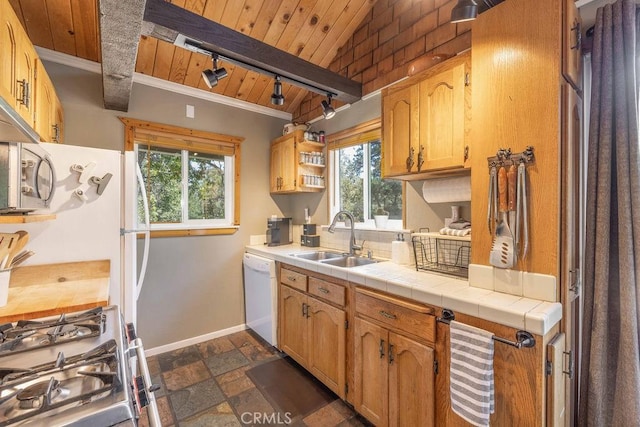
353,246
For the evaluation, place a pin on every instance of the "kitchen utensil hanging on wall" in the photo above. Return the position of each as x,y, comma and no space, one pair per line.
502,249
508,189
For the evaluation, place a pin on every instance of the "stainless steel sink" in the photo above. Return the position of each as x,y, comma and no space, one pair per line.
319,255
349,261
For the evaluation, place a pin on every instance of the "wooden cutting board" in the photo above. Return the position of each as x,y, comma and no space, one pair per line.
45,290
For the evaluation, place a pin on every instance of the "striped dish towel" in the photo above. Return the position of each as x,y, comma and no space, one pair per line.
471,373
453,232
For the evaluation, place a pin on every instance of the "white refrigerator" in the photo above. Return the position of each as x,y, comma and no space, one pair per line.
89,225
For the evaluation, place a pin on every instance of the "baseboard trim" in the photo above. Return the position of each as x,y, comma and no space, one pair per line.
195,340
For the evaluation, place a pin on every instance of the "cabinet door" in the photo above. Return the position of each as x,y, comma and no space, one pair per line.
44,108
25,76
7,53
327,335
293,325
411,383
371,372
556,410
288,164
442,119
276,167
400,132
571,44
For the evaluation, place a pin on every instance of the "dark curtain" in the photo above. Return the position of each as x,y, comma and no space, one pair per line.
610,369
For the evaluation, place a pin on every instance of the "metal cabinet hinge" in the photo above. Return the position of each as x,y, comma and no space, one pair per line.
346,324
466,153
435,367
346,389
548,368
467,79
574,281
295,183
569,370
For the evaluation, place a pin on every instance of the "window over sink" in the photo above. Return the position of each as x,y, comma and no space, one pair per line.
356,183
190,178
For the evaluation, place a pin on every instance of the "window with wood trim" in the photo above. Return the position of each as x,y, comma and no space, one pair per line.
356,182
191,178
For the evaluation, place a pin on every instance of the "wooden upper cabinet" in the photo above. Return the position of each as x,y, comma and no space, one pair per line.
571,44
288,174
8,47
400,132
442,118
24,84
426,121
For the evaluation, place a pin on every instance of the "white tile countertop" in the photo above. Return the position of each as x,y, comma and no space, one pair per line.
532,315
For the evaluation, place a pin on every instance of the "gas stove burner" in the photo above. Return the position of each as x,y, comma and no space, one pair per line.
40,393
29,334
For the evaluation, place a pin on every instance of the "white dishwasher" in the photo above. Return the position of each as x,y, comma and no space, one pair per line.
261,296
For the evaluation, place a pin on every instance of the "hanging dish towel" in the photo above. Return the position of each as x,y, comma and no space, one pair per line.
471,373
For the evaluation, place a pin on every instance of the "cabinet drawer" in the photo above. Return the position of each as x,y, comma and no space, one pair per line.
293,279
404,316
327,290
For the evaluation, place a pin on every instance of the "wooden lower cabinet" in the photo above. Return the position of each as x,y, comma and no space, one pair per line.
313,333
394,376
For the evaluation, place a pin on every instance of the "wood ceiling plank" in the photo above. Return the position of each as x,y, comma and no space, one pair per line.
327,31
264,83
346,25
62,30
249,16
232,85
279,22
85,24
214,9
15,4
304,33
164,58
248,82
197,64
295,102
267,14
229,18
295,23
146,55
37,23
179,65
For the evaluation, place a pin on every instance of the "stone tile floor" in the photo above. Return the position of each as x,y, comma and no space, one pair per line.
206,385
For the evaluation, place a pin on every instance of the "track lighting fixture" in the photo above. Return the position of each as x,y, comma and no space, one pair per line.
465,10
277,98
327,109
211,77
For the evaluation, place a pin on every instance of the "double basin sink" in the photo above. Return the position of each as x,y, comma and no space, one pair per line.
338,259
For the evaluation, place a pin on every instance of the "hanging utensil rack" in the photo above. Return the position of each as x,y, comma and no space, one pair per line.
518,221
523,338
504,157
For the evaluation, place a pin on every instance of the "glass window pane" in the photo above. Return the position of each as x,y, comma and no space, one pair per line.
206,186
162,173
385,194
351,172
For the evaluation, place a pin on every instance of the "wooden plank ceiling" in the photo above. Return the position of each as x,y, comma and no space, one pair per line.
310,29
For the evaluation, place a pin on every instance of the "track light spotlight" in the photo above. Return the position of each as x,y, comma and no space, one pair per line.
211,77
465,10
277,98
327,109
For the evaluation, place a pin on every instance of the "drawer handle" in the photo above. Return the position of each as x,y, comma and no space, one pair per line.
381,349
324,290
292,278
388,315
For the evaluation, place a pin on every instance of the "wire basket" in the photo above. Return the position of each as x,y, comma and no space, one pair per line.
443,254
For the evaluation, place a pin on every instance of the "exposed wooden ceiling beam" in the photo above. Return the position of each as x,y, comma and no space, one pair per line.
166,21
120,29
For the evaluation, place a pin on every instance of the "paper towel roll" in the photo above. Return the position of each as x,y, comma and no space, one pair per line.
443,190
401,252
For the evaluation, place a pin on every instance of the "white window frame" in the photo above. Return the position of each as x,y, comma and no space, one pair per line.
187,223
334,193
